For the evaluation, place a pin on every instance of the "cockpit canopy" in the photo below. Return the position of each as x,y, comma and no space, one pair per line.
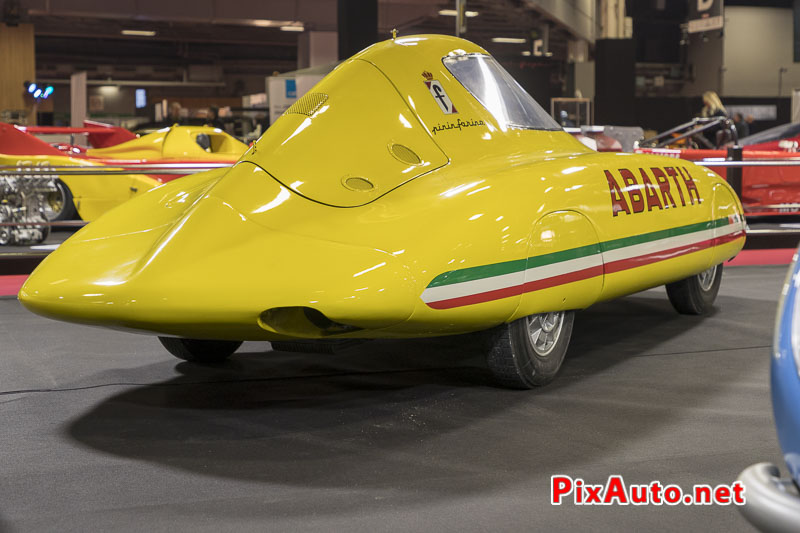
396,111
498,92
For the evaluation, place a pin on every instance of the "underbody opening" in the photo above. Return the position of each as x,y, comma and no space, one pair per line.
302,322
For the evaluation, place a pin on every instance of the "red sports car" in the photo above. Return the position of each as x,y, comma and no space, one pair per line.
766,190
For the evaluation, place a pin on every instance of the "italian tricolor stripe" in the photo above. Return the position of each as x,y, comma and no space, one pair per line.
500,280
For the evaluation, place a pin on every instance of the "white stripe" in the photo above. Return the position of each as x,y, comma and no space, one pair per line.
737,225
564,267
650,247
466,288
478,286
646,248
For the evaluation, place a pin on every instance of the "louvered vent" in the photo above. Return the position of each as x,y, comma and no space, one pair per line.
308,104
358,184
405,154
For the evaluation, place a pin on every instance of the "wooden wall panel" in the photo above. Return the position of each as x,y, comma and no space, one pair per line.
17,64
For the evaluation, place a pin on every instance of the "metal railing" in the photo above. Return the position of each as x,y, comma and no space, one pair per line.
180,169
58,224
192,168
749,162
177,169
694,128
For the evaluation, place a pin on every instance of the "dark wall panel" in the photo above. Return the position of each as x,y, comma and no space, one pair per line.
615,62
539,78
796,37
358,25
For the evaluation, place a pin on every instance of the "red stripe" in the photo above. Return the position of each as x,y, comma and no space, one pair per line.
530,286
729,238
578,275
662,255
642,260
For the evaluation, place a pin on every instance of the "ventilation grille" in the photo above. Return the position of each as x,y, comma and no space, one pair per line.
358,184
404,154
308,104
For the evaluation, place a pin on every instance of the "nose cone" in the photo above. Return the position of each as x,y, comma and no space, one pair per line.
213,273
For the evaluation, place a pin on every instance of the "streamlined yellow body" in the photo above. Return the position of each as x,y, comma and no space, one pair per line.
92,194
396,199
195,143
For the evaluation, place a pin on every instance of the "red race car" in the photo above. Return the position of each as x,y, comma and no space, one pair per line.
766,190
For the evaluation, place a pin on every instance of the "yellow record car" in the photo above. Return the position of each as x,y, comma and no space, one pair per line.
175,144
94,195
91,195
87,195
416,191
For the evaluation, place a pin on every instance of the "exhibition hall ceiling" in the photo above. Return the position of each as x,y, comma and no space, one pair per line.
249,36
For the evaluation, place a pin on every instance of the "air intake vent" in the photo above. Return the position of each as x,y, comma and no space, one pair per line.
308,104
404,154
358,184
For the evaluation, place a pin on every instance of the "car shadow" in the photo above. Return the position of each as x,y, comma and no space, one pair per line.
418,415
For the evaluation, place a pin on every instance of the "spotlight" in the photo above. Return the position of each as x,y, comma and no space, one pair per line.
509,40
38,92
139,33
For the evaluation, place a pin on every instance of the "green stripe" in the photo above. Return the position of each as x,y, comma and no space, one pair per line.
478,272
510,267
518,265
624,242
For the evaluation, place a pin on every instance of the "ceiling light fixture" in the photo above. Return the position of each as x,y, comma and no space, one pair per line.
453,13
292,28
139,33
508,40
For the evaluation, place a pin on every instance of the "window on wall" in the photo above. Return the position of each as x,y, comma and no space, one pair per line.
141,98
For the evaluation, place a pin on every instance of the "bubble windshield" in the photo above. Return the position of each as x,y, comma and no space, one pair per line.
499,92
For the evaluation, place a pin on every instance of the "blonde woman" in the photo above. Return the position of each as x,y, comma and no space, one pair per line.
712,105
712,108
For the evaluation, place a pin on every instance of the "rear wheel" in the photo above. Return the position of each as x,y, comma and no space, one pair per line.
59,204
695,295
200,350
528,352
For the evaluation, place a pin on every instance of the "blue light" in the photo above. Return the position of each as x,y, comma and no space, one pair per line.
37,93
31,88
48,91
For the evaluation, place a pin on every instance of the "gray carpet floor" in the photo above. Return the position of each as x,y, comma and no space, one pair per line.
102,430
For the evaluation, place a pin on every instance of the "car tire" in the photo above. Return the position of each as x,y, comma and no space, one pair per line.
528,352
200,350
61,205
695,295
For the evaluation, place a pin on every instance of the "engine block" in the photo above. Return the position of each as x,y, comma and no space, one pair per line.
22,208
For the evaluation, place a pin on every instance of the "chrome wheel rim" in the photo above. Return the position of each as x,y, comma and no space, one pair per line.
544,330
706,278
55,203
